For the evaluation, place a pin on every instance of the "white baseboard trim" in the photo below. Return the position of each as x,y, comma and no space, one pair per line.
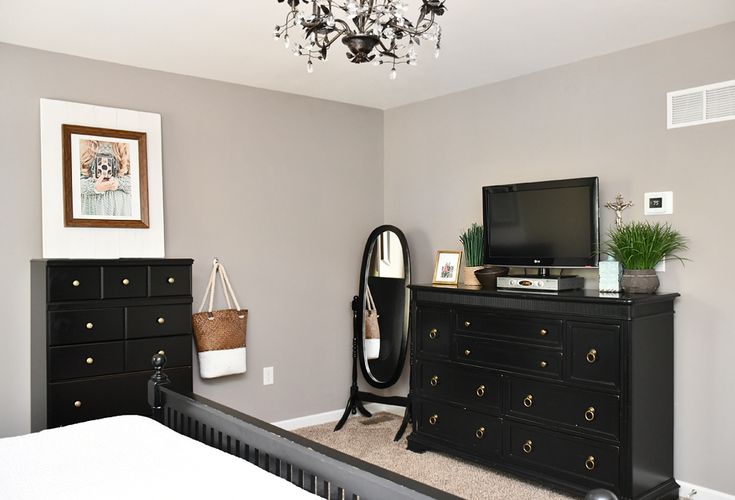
334,416
702,493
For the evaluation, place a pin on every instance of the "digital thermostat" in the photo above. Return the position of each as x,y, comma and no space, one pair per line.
658,203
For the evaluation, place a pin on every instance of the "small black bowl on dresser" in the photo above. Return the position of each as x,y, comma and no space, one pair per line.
95,325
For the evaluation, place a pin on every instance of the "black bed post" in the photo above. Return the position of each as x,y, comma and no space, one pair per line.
158,379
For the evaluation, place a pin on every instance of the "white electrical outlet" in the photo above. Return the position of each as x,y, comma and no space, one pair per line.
268,375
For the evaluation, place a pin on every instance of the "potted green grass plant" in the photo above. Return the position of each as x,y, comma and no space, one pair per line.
639,247
472,240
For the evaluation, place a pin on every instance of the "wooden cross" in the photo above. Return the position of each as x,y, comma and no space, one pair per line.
618,206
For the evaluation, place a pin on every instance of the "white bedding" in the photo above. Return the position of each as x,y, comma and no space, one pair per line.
128,458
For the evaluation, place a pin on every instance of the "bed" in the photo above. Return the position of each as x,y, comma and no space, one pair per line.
179,454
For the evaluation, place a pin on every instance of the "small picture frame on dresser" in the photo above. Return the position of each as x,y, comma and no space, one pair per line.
446,267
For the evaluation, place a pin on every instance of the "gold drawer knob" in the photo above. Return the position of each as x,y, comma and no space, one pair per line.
528,446
90,360
76,283
592,356
528,401
89,325
162,352
543,332
467,352
480,433
590,463
480,391
467,323
589,415
171,280
77,404
433,333
161,320
125,282
543,364
434,381
433,419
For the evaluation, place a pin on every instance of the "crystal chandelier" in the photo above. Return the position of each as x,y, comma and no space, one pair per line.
374,31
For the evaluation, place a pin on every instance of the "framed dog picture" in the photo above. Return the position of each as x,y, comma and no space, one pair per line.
105,177
446,267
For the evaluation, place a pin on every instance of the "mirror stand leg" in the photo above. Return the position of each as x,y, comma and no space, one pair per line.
362,409
404,424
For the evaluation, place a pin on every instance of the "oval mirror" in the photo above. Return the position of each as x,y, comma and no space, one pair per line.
384,316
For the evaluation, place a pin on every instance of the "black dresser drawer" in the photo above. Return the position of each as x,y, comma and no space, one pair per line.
170,281
581,460
472,386
66,283
86,360
462,428
595,353
575,408
158,321
432,333
123,282
506,327
511,357
88,399
138,353
84,326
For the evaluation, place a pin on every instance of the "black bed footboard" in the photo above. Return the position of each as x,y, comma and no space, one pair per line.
309,465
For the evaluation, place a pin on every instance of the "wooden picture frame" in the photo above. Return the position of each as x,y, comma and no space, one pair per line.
446,267
105,177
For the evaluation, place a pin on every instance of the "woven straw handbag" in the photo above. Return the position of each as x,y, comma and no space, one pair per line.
371,343
220,335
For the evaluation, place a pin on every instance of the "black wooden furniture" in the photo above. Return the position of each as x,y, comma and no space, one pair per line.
311,466
95,325
574,390
386,271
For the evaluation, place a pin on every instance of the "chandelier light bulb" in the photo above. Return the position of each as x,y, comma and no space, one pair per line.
393,74
286,41
437,52
310,67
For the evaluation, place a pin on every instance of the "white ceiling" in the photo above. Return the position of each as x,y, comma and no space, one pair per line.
484,41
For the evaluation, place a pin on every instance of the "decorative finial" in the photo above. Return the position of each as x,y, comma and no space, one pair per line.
618,206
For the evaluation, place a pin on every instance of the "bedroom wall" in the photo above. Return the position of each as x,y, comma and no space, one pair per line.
601,117
246,179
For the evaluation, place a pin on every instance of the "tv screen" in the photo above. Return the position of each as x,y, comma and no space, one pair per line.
542,224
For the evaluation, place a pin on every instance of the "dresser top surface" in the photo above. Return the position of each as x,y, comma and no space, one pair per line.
583,295
115,262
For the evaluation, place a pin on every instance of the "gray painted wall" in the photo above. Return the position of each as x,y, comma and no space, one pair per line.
605,117
247,179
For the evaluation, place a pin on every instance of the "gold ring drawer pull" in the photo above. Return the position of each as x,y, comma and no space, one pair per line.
76,283
480,391
125,282
590,463
480,433
90,360
433,419
528,446
543,332
589,415
171,280
528,401
467,324
592,356
77,404
434,381
543,364
467,352
433,333
162,352
161,320
89,325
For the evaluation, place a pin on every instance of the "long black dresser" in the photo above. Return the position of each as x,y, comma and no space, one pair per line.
574,390
95,324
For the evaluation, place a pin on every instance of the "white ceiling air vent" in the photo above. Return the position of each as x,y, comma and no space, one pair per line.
700,105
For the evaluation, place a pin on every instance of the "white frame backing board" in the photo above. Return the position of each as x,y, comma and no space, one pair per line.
97,243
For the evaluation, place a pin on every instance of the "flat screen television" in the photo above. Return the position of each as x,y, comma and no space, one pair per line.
543,224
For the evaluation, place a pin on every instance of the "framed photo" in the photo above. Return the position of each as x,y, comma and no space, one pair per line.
446,267
105,174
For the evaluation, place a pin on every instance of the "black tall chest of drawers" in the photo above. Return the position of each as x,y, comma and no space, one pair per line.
574,390
95,324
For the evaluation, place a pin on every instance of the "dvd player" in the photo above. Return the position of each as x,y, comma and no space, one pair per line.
534,283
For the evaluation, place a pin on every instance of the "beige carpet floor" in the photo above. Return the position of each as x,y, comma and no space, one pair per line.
371,439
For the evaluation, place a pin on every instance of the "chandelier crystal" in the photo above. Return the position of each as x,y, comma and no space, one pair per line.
376,31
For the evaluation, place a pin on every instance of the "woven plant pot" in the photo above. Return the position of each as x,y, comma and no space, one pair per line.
640,281
469,275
